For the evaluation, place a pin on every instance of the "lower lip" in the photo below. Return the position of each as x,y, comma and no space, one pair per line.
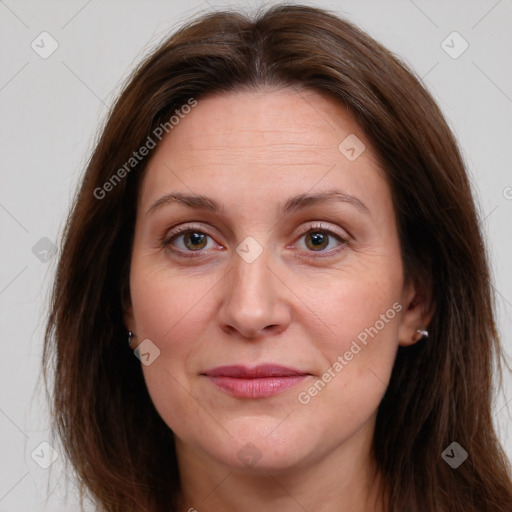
256,388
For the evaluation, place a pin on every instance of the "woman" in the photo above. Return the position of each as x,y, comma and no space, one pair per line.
278,220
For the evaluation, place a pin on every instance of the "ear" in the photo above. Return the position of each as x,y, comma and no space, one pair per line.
418,310
128,318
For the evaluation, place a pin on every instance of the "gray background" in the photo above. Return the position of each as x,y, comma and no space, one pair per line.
51,110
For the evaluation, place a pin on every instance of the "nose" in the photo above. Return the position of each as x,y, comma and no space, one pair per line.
254,299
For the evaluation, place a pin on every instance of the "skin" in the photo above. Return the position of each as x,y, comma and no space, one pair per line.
251,151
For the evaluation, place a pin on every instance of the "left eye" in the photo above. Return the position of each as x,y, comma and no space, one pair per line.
318,239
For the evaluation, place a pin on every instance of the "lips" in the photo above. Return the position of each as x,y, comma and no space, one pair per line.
242,372
260,382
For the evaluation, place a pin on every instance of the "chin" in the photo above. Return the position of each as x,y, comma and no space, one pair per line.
275,449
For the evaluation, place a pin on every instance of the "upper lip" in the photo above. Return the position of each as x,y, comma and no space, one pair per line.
244,372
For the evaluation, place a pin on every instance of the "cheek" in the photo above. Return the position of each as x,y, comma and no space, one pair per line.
358,350
167,311
174,310
167,306
356,302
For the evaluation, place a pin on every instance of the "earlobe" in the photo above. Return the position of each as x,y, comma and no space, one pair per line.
129,324
417,314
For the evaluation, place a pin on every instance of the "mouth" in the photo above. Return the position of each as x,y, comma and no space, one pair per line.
259,382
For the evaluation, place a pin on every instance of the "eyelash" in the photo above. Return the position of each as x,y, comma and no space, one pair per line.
167,238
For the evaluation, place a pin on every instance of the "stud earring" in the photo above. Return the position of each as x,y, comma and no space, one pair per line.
422,333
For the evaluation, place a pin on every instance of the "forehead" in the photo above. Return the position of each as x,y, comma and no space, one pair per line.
260,142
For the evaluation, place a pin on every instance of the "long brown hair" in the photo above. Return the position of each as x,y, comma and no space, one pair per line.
440,391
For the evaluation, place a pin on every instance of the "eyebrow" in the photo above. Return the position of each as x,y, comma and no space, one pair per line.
298,202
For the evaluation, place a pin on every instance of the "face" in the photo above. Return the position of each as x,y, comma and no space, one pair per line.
303,300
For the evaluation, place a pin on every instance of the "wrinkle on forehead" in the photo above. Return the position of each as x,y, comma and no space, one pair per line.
261,141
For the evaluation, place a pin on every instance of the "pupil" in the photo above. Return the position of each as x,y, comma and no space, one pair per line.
195,238
317,239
